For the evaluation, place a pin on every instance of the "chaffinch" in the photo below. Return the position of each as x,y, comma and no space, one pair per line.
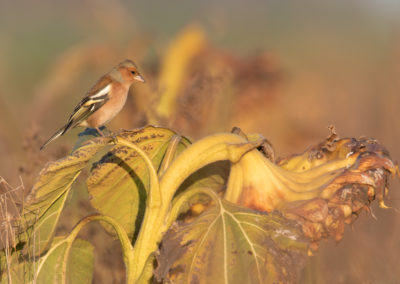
104,100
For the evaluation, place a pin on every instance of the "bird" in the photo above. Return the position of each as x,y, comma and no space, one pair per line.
103,101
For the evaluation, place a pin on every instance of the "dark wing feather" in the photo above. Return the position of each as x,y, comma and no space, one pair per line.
85,108
88,105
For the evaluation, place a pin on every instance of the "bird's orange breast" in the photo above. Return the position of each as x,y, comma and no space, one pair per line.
111,108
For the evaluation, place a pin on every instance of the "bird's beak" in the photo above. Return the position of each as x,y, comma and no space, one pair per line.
139,78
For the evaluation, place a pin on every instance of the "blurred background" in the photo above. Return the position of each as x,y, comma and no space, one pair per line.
285,69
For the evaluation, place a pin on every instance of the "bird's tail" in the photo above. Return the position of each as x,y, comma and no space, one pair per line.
58,133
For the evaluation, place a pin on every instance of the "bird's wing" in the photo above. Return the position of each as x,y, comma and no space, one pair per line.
85,108
95,99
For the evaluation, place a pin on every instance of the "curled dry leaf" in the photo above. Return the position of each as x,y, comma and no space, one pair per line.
353,190
322,188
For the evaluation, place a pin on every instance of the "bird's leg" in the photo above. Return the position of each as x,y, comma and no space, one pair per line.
113,136
100,132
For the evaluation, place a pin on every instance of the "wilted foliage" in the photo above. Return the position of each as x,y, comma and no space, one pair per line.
145,185
323,188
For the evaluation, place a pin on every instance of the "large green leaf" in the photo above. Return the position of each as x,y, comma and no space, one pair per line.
47,199
119,182
80,264
42,230
66,262
231,244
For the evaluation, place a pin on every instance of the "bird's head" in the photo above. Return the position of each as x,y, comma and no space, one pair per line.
129,71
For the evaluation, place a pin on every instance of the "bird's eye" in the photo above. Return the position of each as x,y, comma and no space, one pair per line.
133,72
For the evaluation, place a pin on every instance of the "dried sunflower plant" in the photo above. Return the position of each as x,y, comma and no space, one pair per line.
222,209
219,210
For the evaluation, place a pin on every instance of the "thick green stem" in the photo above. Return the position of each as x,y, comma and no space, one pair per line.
153,203
208,150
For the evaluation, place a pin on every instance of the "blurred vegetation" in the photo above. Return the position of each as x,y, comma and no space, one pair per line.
287,70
